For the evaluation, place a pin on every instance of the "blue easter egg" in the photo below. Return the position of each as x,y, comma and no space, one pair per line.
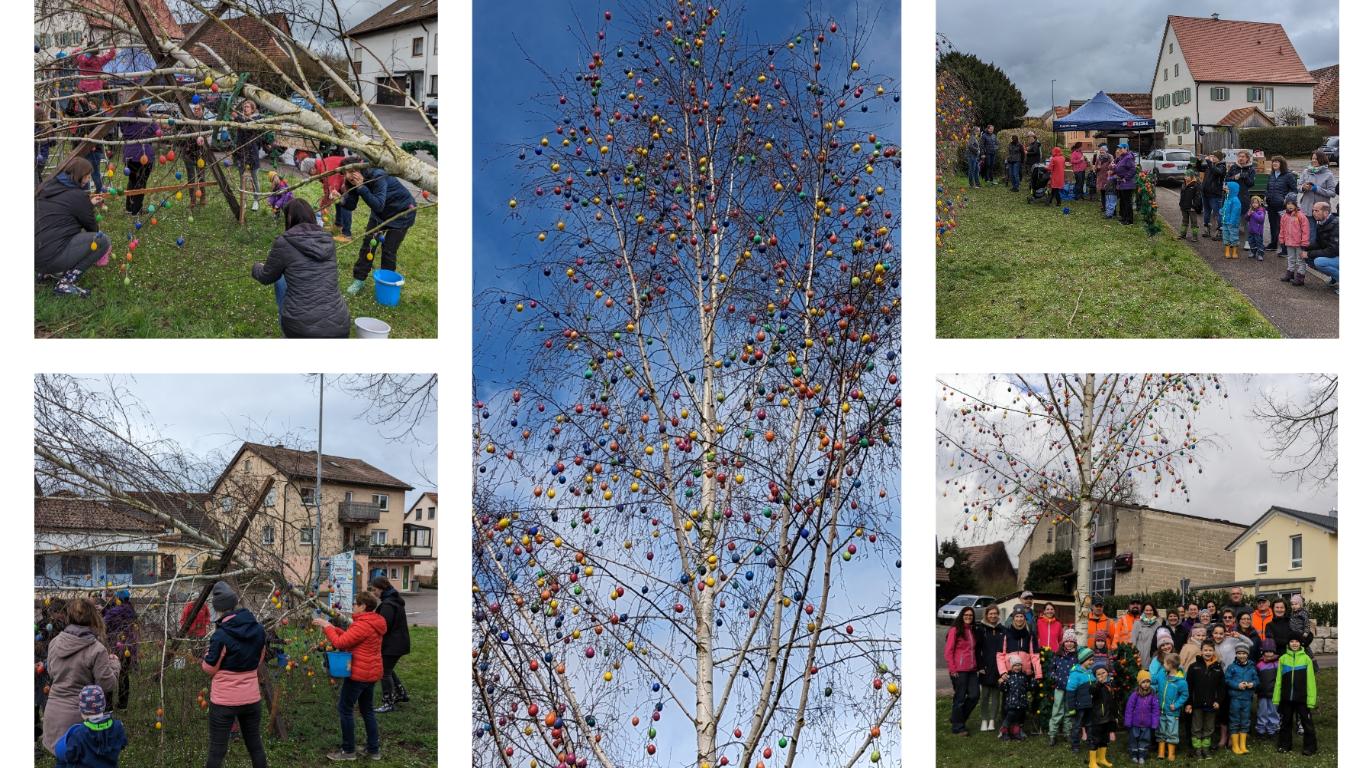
1066,211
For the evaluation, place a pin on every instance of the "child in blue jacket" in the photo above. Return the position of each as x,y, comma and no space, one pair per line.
97,741
1229,219
1078,695
1241,678
1172,692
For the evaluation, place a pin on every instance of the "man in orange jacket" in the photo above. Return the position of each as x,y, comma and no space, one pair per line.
1124,625
1262,616
1097,621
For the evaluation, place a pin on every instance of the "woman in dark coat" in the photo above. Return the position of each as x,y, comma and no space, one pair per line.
396,643
1278,629
303,266
1280,184
991,637
1033,153
1125,172
1213,189
66,237
392,213
1245,173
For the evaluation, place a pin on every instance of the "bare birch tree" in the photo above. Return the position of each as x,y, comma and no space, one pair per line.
1303,432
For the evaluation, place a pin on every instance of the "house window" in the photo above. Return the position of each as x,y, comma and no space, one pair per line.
1176,69
418,537
1186,95
417,46
1067,534
270,497
379,536
380,500
1269,100
1103,577
1164,74
246,466
432,91
307,494
1296,551
1261,557
40,565
356,66
1254,95
1104,526
119,564
1218,94
435,39
306,535
1170,47
431,513
268,535
75,565
418,516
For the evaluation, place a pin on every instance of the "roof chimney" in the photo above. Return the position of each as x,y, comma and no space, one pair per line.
1333,512
1214,16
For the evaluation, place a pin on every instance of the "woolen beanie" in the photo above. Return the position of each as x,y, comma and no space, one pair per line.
1069,634
222,597
1145,675
1164,636
1084,654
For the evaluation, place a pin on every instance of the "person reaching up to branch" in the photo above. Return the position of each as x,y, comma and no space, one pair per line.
303,266
138,153
66,237
392,212
235,651
365,640
90,63
246,151
334,188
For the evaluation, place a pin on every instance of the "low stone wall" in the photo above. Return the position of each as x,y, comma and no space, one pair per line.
1325,640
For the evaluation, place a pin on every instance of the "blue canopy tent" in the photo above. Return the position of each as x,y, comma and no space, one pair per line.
1101,113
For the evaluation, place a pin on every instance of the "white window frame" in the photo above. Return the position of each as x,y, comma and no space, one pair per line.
271,497
1262,550
1296,564
1250,90
268,535
1176,69
418,42
1103,577
432,90
308,495
306,535
379,536
380,500
1218,93
1269,101
1164,74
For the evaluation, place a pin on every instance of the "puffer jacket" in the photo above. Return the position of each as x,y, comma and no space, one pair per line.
1142,711
1060,668
1048,633
1233,205
960,652
75,659
1324,190
1206,683
61,212
1192,197
388,199
1213,185
307,258
1019,642
989,638
1079,682
1266,679
1236,674
363,639
1294,233
1295,679
1173,690
1326,245
1280,186
1125,172
1015,691
1103,706
235,651
139,139
91,745
91,65
1256,225
394,611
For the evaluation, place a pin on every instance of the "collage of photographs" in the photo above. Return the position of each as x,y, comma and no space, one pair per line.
682,332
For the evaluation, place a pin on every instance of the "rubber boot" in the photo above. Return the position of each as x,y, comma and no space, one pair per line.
1091,759
1171,752
1161,749
1101,757
1299,279
1289,276
1242,743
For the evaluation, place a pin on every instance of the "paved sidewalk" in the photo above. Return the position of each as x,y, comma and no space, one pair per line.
1308,312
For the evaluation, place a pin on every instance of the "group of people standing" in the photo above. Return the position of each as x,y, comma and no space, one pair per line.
1207,676
87,655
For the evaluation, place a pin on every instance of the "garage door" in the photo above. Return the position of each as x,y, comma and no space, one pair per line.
390,90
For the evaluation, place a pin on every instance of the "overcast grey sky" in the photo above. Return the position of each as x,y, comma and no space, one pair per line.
1110,45
208,414
1239,481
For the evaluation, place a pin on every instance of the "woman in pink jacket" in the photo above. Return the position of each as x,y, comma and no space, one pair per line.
1048,628
960,651
90,63
1103,162
1057,176
1079,166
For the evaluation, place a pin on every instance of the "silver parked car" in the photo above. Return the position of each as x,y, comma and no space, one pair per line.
1167,164
948,612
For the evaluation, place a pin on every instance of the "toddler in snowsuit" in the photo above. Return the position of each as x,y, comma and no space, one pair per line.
1015,692
1206,680
1294,238
1191,202
97,740
1172,694
1142,716
1268,719
1241,679
1101,728
1229,217
1295,695
1256,225
1078,696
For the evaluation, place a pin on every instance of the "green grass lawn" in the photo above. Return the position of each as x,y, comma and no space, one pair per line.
205,288
408,737
1016,270
983,750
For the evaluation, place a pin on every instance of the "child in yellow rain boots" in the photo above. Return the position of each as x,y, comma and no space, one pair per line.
1101,728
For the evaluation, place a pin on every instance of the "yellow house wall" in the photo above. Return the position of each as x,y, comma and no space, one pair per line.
1320,556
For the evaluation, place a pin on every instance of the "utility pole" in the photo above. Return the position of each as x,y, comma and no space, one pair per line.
315,567
1052,102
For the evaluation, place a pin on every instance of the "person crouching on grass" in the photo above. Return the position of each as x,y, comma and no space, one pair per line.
1142,716
1101,729
67,239
364,639
392,213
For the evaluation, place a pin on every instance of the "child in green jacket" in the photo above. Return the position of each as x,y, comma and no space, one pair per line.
1295,696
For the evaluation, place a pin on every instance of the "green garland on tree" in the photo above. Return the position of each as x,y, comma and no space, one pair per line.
1147,204
1043,691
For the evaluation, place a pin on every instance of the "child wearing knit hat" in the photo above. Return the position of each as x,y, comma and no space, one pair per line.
1058,669
97,741
1142,716
1015,692
1079,681
1268,719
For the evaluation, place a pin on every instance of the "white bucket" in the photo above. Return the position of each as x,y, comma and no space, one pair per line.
370,328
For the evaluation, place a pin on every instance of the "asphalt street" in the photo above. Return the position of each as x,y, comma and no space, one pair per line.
422,608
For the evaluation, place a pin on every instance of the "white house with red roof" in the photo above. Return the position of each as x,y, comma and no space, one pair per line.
1209,67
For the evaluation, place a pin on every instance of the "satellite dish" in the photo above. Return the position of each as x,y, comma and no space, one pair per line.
948,562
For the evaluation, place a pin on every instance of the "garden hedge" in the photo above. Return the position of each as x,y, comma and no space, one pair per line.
1291,141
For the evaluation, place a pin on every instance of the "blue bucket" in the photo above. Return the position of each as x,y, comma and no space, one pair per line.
339,664
388,286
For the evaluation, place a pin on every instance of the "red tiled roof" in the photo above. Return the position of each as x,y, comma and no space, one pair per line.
1265,53
1325,89
1238,116
975,554
188,508
218,38
337,469
74,513
158,15
1141,104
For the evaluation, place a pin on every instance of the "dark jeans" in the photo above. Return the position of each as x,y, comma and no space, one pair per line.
1079,184
989,172
1273,216
1126,206
1212,206
353,693
193,173
248,717
125,672
965,695
95,157
1289,711
393,238
1082,720
974,180
138,174
390,684
1014,169
1098,734
280,289
343,218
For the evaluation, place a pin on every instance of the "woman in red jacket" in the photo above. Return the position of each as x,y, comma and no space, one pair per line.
363,639
1057,176
960,651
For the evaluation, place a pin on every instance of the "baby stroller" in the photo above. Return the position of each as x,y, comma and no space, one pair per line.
1038,183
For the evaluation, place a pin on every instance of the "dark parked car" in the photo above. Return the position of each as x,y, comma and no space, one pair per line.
431,110
1330,148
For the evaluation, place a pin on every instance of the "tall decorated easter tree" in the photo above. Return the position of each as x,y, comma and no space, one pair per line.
1054,448
686,516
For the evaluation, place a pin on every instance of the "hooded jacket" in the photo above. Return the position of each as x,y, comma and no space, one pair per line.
1279,187
1206,683
1057,170
1060,668
1142,711
1015,690
394,611
387,198
1104,709
1094,625
138,136
92,745
120,626
1295,679
1256,225
960,651
1236,674
989,638
1173,691
1213,185
1079,682
1324,190
363,639
1326,244
1192,197
91,65
235,651
75,659
1233,205
307,258
1295,234
1049,633
1019,641
1266,679
1104,162
61,212
1125,171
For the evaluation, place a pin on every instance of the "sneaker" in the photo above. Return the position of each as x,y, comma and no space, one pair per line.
343,239
339,756
256,206
385,707
1247,246
355,287
70,289
373,756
